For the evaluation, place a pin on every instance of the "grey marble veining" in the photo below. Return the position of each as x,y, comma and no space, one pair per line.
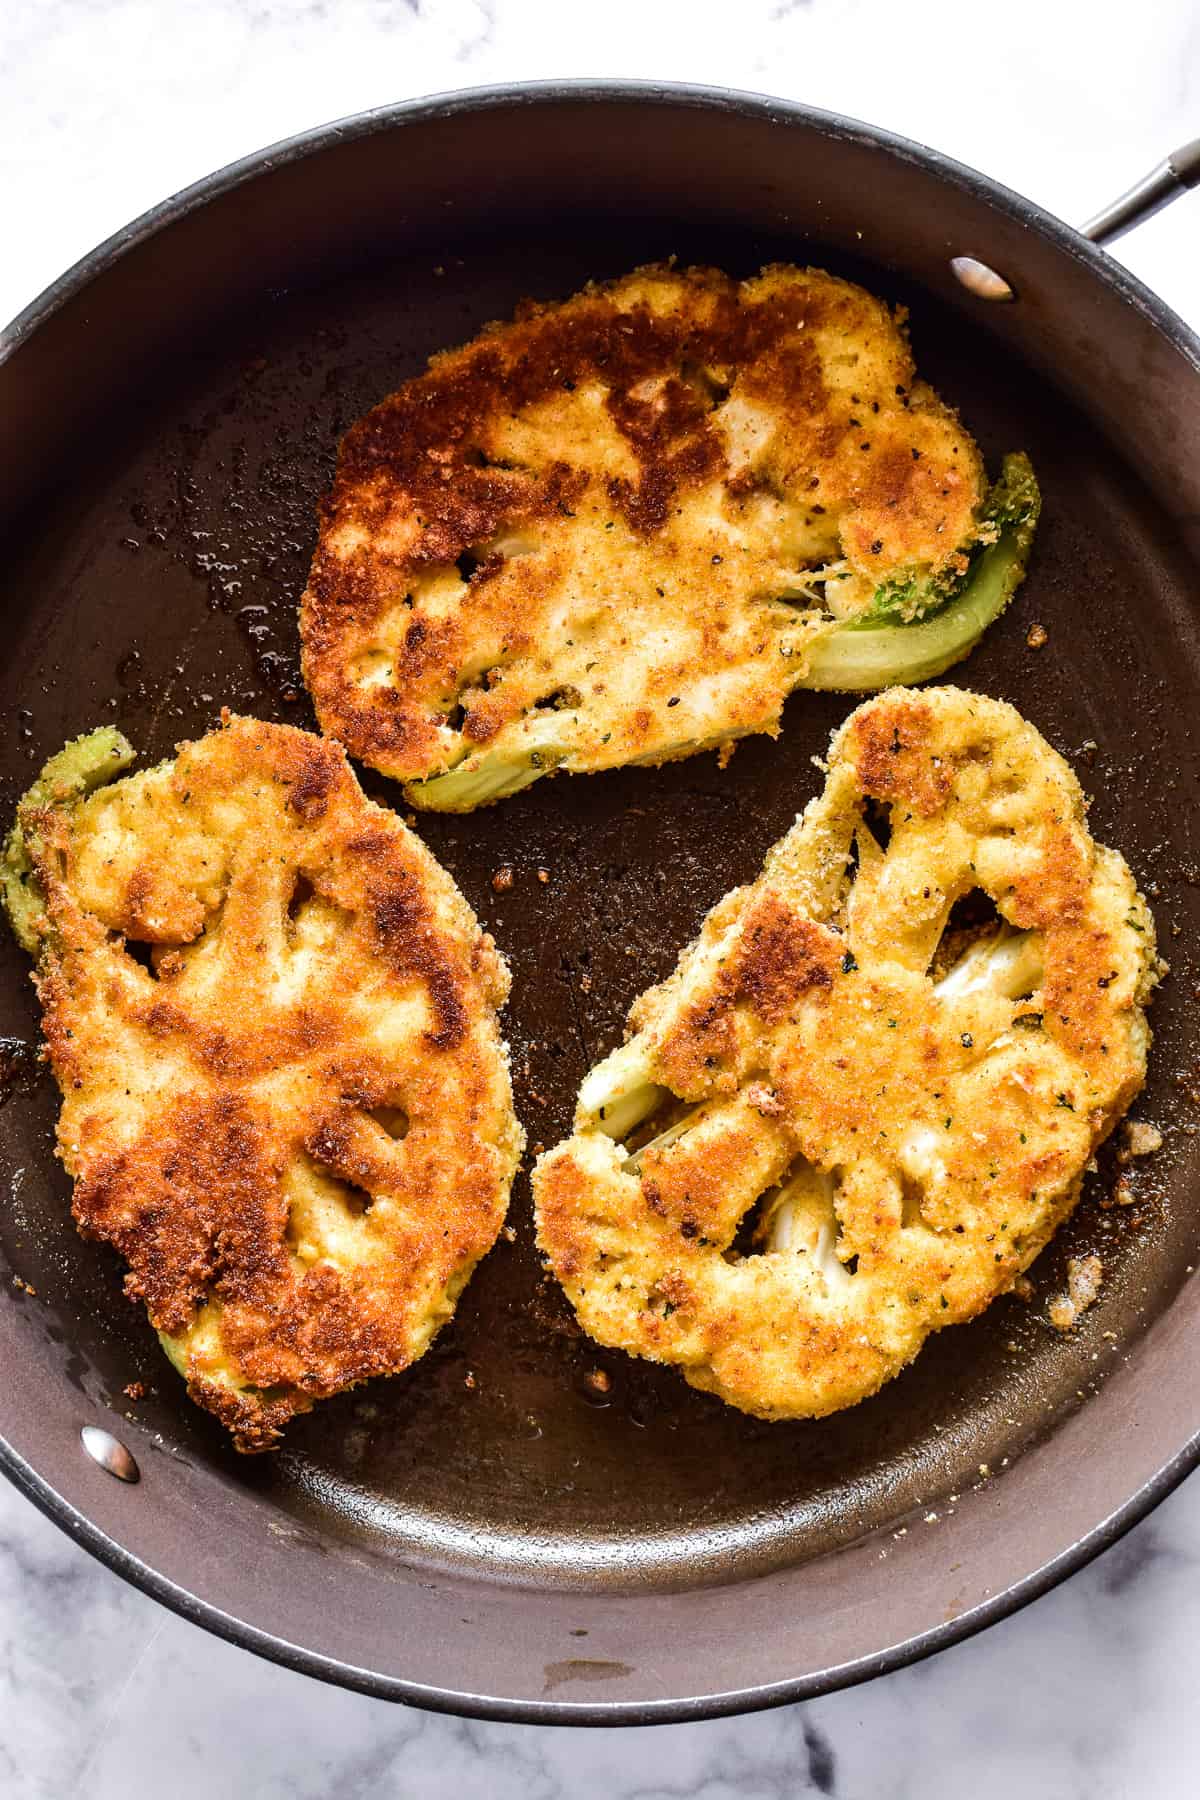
107,105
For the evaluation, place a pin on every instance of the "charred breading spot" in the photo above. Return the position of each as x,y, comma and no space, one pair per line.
673,443
304,1146
900,1129
410,941
423,647
313,782
138,893
162,1019
897,756
254,1421
701,1056
332,1143
630,496
187,1206
781,959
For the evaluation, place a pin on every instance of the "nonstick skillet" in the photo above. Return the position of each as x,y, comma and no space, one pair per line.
498,1532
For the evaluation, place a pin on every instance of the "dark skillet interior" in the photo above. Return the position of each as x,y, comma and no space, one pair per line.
159,582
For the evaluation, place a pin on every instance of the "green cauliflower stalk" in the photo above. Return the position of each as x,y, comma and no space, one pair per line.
919,624
86,763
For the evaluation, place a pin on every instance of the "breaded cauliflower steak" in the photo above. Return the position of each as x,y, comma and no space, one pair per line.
914,1137
292,1113
616,530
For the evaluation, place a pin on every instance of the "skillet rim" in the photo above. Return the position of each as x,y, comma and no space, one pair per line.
496,95
76,1524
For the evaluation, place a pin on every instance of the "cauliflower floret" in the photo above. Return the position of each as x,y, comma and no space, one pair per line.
819,1144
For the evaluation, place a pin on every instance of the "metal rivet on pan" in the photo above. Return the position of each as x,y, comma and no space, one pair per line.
981,281
110,1453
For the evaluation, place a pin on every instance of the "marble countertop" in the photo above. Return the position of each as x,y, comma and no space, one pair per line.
105,107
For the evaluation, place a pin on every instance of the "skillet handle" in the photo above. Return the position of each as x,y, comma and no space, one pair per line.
1173,176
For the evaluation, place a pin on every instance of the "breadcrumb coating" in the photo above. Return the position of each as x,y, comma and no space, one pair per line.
613,529
905,1109
273,1019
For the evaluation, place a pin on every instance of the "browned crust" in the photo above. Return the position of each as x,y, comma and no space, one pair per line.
957,1132
195,1100
613,396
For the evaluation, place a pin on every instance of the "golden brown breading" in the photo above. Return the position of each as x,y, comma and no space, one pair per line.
611,530
915,1125
291,1112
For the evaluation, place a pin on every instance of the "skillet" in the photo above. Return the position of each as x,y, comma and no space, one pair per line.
490,1534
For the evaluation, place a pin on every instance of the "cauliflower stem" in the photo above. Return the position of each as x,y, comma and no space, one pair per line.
85,764
916,628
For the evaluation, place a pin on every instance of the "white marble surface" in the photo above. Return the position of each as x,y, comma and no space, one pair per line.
106,106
